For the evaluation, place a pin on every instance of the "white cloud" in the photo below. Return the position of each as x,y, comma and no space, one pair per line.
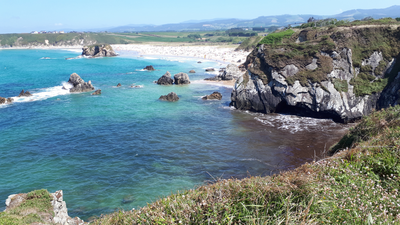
58,24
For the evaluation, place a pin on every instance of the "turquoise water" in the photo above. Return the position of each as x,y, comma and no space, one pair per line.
125,148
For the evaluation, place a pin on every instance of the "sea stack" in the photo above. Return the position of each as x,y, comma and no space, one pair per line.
165,79
79,85
98,51
149,68
171,97
214,96
181,78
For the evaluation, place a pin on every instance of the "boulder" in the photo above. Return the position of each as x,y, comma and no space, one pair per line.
10,100
181,78
149,68
79,85
24,94
119,85
98,51
199,62
210,69
214,96
97,92
171,97
165,79
2,100
192,71
229,73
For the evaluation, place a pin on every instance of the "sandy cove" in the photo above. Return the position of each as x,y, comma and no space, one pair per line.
226,55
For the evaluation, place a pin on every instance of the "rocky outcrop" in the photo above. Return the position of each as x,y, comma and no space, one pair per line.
6,100
324,81
60,211
119,85
231,72
149,68
10,100
79,85
171,97
98,51
192,71
210,70
165,79
214,96
181,78
24,94
97,92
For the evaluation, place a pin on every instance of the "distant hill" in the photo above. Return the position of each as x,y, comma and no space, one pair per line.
262,21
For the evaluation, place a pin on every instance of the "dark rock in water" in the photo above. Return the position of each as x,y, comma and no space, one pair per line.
24,94
119,85
171,97
98,51
97,92
149,68
192,71
214,96
181,78
165,79
210,69
79,85
216,78
199,62
2,100
10,100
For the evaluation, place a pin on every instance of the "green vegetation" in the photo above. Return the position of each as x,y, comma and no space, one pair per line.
345,23
34,209
250,43
242,34
340,85
276,38
357,186
366,84
398,19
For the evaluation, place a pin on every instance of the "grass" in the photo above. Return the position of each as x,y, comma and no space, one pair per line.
340,85
276,38
359,185
34,209
250,43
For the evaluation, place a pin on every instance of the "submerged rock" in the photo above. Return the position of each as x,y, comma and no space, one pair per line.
171,97
97,92
165,79
24,94
214,96
181,78
98,51
79,85
149,68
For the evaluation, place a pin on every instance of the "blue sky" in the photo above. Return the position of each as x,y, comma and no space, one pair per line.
28,15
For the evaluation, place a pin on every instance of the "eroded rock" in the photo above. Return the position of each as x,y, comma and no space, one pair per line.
165,79
24,94
214,96
181,78
149,68
98,51
171,97
97,92
78,84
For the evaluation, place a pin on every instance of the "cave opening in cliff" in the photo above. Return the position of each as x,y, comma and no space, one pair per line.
302,110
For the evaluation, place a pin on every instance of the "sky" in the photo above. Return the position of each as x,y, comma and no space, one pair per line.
27,15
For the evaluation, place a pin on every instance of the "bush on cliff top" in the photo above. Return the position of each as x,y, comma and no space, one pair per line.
276,38
357,186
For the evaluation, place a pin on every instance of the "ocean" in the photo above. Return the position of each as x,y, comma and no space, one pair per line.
125,148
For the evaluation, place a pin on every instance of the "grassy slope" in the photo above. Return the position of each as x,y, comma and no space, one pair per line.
356,186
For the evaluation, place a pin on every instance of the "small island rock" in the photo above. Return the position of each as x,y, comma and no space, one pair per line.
119,85
149,68
165,79
192,71
24,94
181,78
171,97
79,85
210,69
2,100
97,92
214,96
98,51
10,100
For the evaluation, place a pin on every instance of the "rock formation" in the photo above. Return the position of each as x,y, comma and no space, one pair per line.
192,71
171,97
24,94
98,51
119,85
210,70
60,211
149,68
181,78
79,85
97,92
214,96
10,100
2,100
165,79
229,73
322,75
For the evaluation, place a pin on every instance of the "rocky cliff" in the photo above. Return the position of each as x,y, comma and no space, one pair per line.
336,73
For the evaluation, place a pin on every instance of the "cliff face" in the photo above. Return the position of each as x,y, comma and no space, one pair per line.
337,73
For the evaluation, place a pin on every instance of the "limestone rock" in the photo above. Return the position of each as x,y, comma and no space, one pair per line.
98,51
165,79
192,71
181,78
79,85
149,68
24,94
171,97
97,92
214,96
229,73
